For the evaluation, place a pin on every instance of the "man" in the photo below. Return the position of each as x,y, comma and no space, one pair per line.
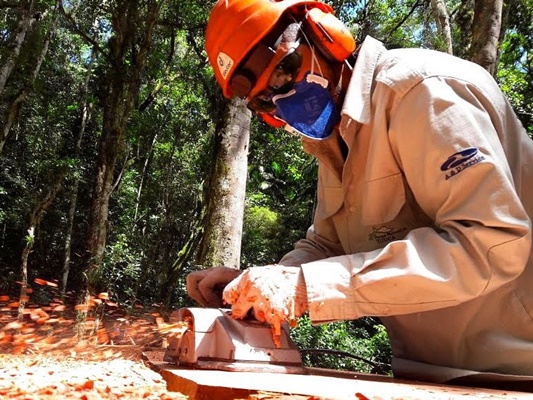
424,192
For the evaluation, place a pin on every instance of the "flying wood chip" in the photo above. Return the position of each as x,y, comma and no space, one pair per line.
44,282
81,307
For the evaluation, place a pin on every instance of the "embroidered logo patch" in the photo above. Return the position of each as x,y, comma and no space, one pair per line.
460,161
385,234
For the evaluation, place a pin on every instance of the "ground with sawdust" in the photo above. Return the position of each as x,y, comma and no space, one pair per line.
41,377
51,354
71,352
36,367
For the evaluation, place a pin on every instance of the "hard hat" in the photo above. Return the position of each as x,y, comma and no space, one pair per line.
241,38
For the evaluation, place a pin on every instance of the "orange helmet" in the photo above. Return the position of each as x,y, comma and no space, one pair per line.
241,38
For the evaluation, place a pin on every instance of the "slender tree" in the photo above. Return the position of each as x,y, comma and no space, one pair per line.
25,23
133,25
486,33
13,106
443,23
35,219
86,111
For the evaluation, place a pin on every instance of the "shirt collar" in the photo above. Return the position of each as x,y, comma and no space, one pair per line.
357,103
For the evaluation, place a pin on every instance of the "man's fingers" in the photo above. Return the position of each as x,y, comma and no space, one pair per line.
235,294
240,307
193,282
206,286
245,297
211,289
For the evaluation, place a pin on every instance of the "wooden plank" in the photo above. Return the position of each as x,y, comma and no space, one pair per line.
318,384
221,385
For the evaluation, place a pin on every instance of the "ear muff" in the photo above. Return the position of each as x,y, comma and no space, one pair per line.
329,34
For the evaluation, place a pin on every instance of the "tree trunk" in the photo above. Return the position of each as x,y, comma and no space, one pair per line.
14,108
221,244
506,9
486,33
128,50
463,21
85,116
144,175
24,25
221,220
35,219
442,18
175,271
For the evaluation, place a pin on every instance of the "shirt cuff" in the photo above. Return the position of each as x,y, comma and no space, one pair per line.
330,291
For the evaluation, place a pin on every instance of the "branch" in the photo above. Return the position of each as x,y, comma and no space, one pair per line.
406,17
179,26
201,55
151,97
80,32
49,198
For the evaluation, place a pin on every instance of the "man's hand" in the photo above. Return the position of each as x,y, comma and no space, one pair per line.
206,286
275,293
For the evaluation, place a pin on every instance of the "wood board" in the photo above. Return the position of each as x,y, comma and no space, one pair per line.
318,384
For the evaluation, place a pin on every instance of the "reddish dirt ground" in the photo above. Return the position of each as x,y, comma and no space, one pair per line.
53,352
44,377
89,352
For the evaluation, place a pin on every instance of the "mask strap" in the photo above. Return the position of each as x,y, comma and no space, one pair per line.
314,60
338,88
313,54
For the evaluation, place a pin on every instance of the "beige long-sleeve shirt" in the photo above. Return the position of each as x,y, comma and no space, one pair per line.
426,221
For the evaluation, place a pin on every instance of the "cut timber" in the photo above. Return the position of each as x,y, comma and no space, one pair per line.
221,385
317,385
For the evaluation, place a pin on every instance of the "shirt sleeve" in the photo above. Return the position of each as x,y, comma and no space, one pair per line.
313,247
445,136
321,240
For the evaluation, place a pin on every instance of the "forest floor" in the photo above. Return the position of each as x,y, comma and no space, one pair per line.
53,352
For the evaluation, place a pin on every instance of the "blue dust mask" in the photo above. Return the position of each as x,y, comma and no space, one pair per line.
308,108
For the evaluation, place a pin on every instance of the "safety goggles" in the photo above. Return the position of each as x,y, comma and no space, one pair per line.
290,66
255,63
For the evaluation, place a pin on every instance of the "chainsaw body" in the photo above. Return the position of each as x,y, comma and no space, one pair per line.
214,340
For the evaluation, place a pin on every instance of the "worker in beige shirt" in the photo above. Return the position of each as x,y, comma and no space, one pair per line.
425,192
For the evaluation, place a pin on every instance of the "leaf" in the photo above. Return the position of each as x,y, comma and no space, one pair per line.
275,167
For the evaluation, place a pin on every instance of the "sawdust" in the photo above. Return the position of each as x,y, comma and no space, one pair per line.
273,297
53,377
277,396
55,351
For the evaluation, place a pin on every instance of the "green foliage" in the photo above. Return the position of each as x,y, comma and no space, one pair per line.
515,69
281,178
261,227
120,271
360,345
